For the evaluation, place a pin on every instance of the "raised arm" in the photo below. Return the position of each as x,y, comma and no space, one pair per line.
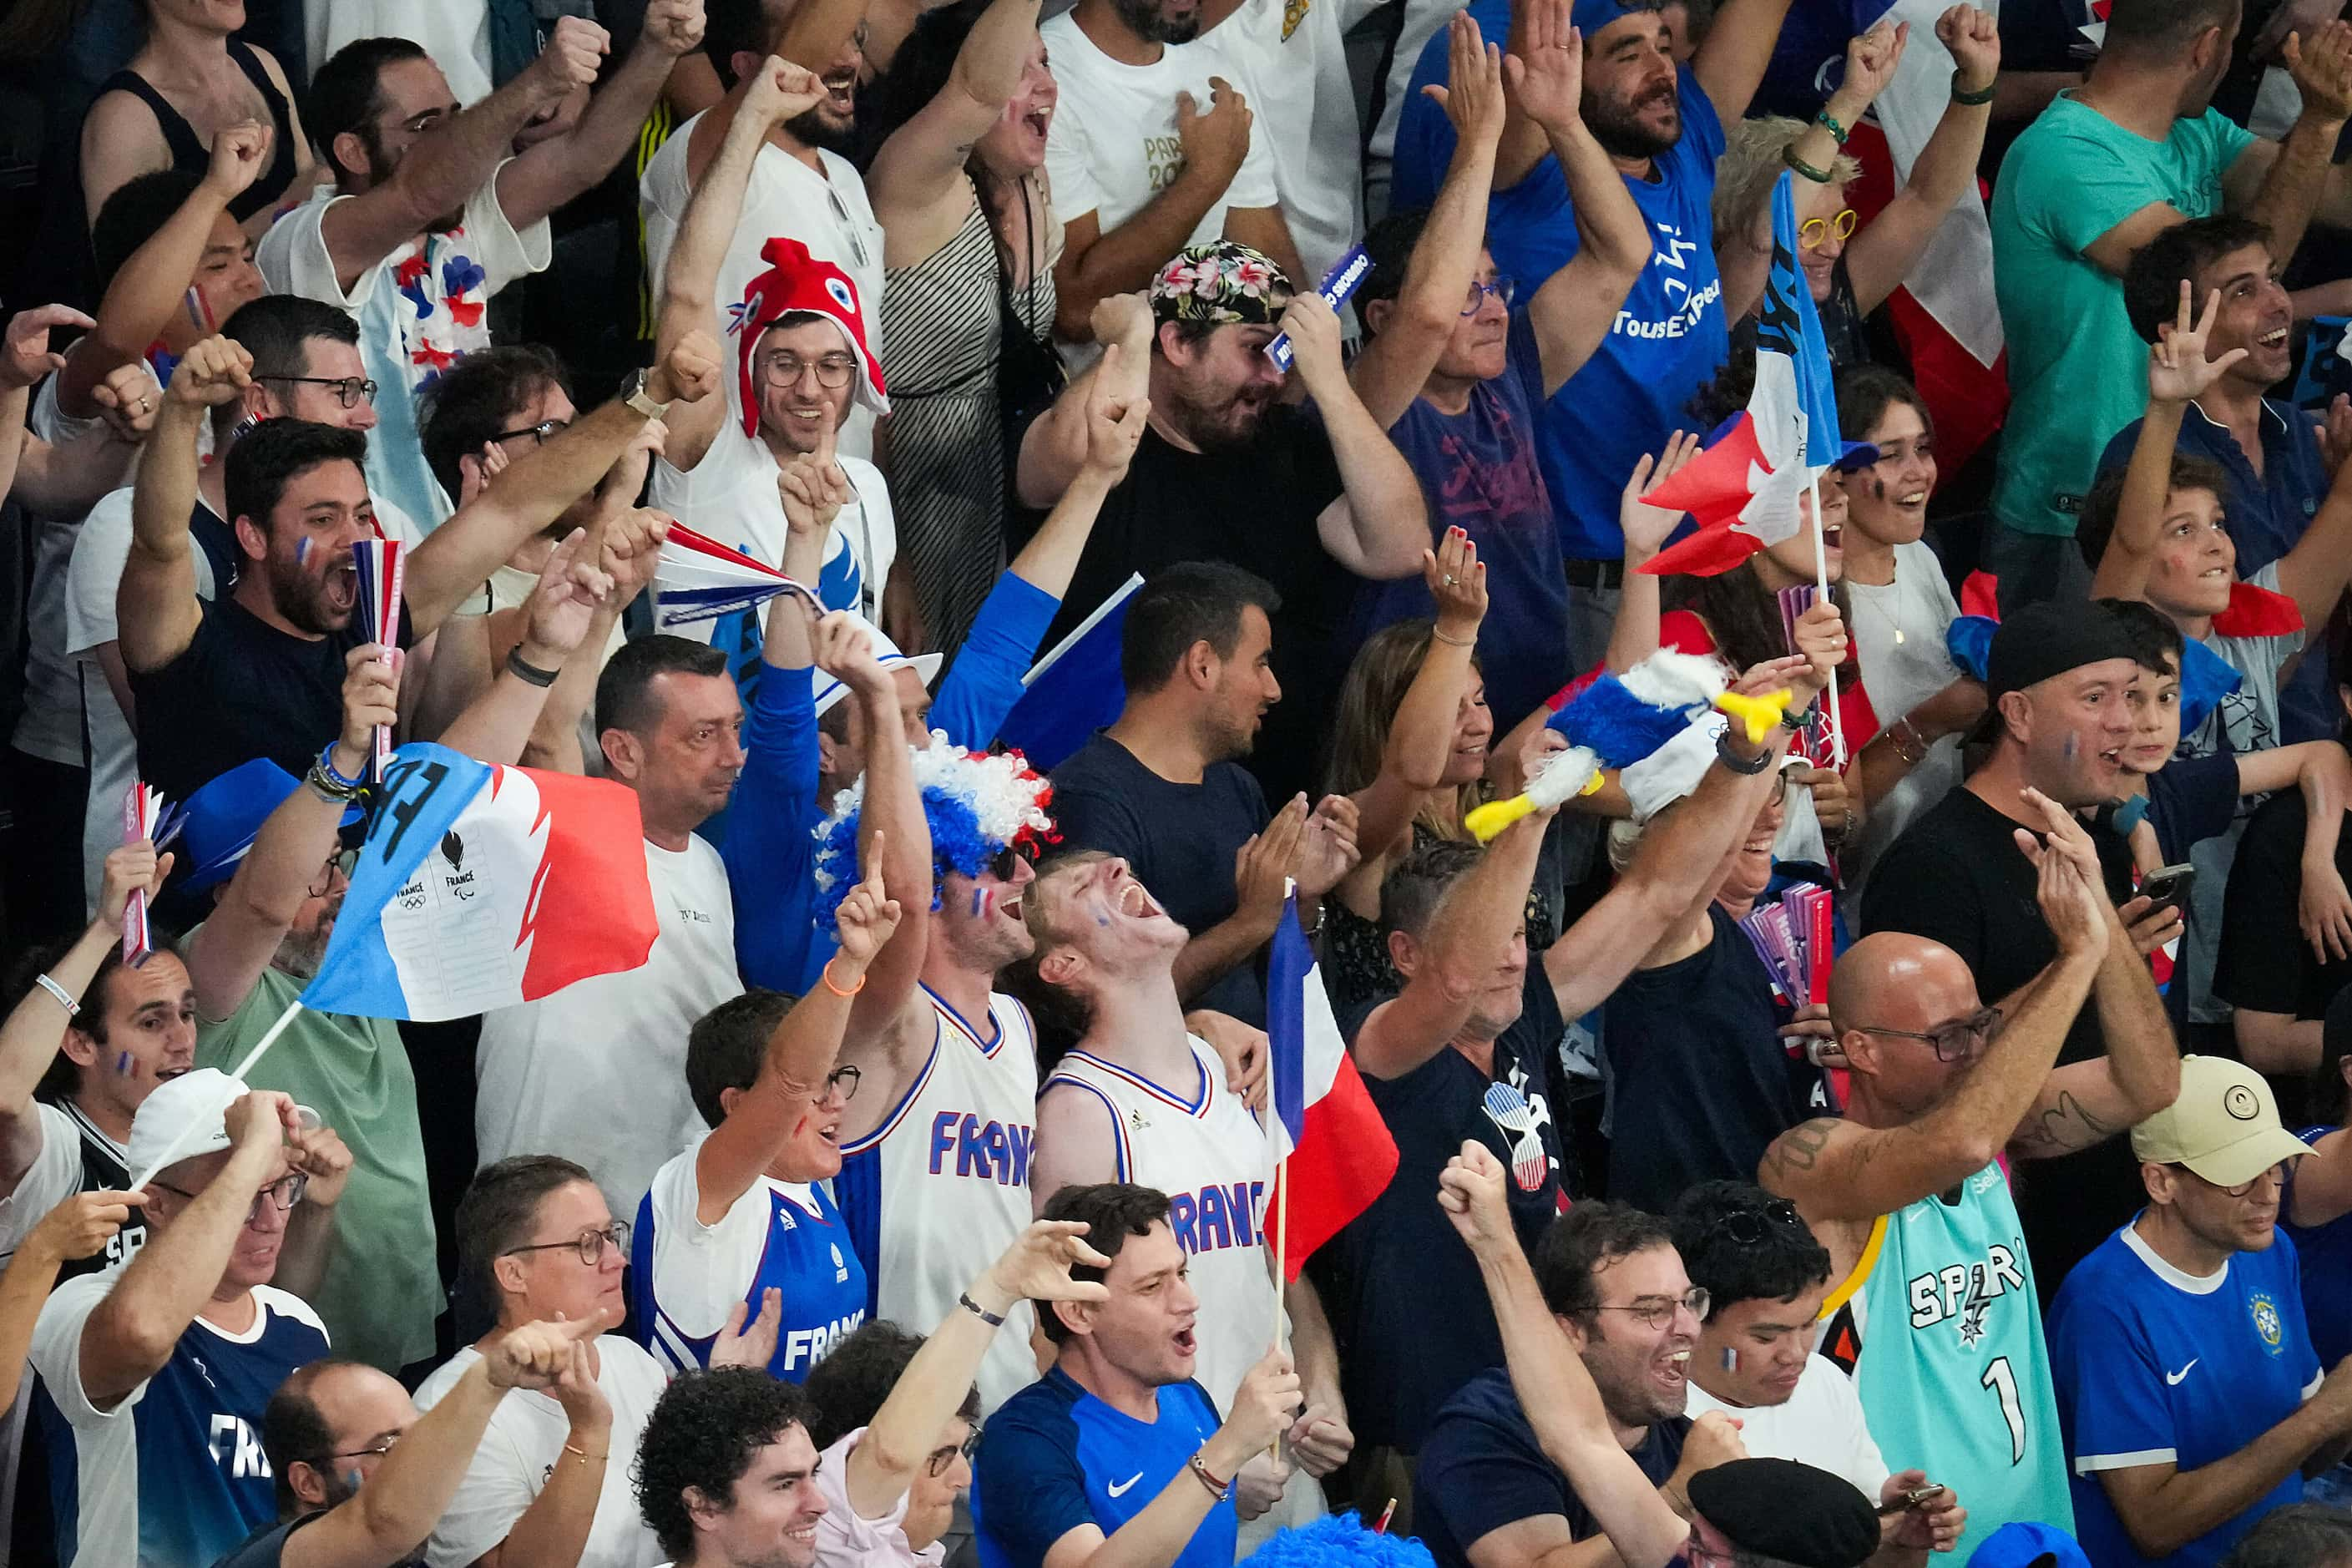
387,1520
130,1335
689,299
35,1026
798,1061
1468,936
1055,447
1577,306
1553,1386
2177,371
1882,255
900,1437
1116,407
536,488
1396,361
1378,528
227,954
1729,65
566,601
155,605
1093,263
916,179
446,165
545,176
2281,185
1421,732
78,1228
1835,1170
2314,574
1634,635
152,285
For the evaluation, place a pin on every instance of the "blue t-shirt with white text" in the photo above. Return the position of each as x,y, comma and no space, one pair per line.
1670,337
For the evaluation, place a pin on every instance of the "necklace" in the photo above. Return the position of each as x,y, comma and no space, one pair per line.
1865,598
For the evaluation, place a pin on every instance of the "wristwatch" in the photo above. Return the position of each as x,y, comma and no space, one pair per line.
638,402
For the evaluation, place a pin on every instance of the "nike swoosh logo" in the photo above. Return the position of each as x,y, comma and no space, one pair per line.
2172,1379
1119,1489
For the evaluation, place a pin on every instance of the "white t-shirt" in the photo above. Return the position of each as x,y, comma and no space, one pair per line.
50,727
53,1176
1304,107
845,1539
828,212
1899,676
597,1071
1822,1426
731,495
456,33
420,310
90,587
1114,145
523,1444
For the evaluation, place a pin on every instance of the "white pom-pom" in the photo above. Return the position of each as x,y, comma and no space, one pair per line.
1671,679
1562,777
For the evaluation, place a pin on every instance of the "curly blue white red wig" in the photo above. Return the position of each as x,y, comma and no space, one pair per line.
977,805
1339,1541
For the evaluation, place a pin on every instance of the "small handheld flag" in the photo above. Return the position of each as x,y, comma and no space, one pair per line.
146,816
382,572
1347,275
1074,690
699,579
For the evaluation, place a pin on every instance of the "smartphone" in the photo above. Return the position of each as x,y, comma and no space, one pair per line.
1911,1499
2169,884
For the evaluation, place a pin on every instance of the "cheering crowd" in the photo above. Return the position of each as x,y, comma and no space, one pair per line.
769,809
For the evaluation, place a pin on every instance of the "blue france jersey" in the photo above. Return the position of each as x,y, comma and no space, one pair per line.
2154,1366
687,1276
1055,1458
174,1474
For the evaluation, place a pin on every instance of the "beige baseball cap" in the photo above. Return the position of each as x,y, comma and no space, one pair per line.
2224,1126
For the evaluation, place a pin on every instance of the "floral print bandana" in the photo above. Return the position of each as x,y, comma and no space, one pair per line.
1220,283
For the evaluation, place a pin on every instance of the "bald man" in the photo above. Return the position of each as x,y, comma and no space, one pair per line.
1935,1310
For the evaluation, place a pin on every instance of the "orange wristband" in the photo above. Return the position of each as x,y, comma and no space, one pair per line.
826,975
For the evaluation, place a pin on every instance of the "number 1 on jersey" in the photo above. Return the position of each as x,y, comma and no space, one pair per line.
2003,1382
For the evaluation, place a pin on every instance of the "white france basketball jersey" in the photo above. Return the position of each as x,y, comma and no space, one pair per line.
936,1191
1202,1146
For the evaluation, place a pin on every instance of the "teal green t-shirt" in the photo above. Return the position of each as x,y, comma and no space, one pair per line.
381,1289
2077,372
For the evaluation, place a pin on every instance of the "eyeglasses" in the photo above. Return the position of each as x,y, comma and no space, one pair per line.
843,1082
832,370
1749,1227
1503,288
940,1459
349,389
588,1244
341,864
376,1450
1814,233
1005,864
283,1194
2275,1174
1955,1041
1659,1311
540,433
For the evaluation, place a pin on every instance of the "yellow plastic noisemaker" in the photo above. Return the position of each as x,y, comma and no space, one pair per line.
1488,821
1757,715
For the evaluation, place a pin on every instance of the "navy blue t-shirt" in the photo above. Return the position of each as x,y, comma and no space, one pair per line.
1670,336
1483,1468
1413,1349
2191,799
1480,472
1180,840
1700,1080
2325,1254
1055,1457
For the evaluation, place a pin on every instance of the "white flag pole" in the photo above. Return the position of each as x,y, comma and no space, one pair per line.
1821,582
172,1150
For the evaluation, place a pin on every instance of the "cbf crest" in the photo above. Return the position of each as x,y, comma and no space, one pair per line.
2267,1322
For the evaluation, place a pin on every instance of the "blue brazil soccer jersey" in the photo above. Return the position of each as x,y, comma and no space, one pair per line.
2155,1366
1055,1458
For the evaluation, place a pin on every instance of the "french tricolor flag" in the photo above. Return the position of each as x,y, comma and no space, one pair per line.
481,886
1333,1153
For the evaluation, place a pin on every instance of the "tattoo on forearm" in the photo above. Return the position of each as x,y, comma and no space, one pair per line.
2067,1125
1801,1147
